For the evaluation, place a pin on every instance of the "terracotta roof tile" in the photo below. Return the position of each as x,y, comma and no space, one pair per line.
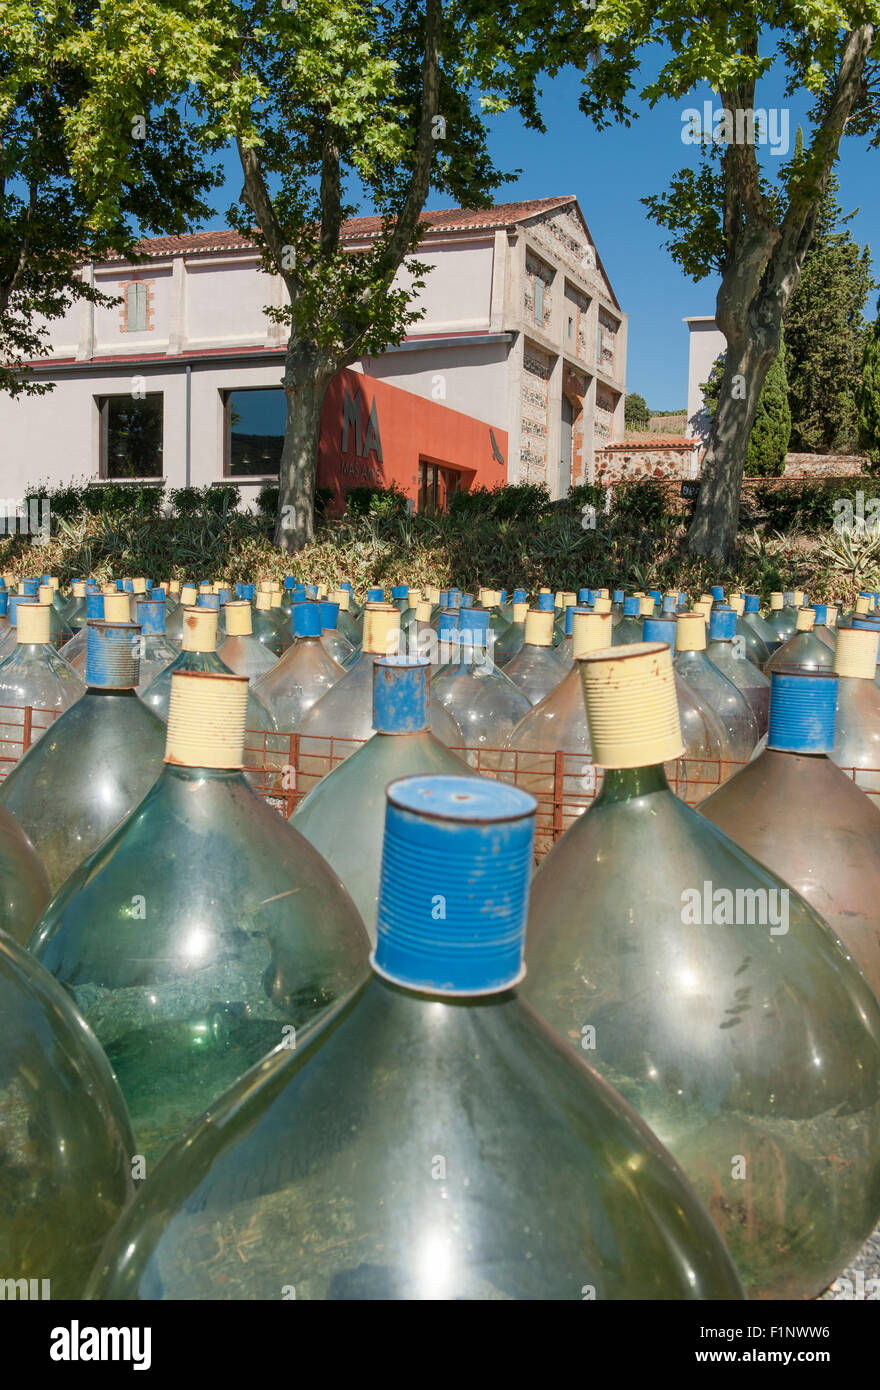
657,441
359,228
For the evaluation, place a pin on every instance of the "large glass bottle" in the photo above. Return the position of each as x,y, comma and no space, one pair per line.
857,732
432,1140
752,616
714,689
782,618
551,743
712,997
155,650
202,927
755,649
345,621
827,631
333,640
95,763
35,683
273,631
305,672
343,816
510,642
706,757
729,655
241,651
484,703
536,669
24,883
343,718
266,751
186,598
803,650
59,632
629,629
795,811
74,611
66,1145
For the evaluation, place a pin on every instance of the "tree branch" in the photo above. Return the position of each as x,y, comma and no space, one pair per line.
806,190
331,192
420,182
260,203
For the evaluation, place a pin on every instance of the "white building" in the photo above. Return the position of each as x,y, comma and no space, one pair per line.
516,371
707,343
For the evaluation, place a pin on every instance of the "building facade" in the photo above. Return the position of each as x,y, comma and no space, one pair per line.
706,343
516,372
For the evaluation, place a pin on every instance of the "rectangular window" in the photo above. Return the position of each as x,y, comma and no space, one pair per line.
131,436
539,301
255,421
436,486
136,309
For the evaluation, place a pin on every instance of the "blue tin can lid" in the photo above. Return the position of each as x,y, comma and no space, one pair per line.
329,615
4,600
401,695
448,621
821,611
246,591
803,709
112,655
399,591
453,892
722,625
375,595
546,603
659,630
631,607
586,595
872,624
670,603
305,619
752,603
655,594
94,607
151,614
618,596
290,581
520,596
30,587
473,625
14,601
208,601
717,593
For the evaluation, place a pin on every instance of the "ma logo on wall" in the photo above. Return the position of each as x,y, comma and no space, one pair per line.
360,442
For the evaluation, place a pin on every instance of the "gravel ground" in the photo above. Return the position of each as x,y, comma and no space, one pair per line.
861,1279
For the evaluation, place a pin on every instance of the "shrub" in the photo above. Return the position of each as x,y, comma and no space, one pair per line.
768,442
377,501
643,502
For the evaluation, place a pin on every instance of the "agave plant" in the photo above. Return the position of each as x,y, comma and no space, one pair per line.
855,554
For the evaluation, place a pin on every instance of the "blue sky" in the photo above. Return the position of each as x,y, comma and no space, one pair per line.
609,172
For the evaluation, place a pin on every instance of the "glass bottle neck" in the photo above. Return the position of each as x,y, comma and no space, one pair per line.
627,783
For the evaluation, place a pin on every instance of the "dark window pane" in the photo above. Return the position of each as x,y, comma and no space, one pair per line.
255,430
132,437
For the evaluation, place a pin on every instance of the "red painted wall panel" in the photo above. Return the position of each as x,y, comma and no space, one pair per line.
375,434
